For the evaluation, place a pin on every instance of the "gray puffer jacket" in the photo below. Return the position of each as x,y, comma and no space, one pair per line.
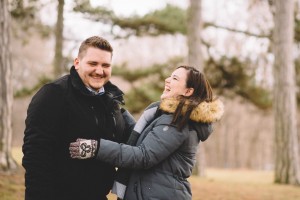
163,157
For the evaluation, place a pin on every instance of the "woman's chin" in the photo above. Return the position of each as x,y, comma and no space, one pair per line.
165,96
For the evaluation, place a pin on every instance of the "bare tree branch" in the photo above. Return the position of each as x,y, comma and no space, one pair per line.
238,31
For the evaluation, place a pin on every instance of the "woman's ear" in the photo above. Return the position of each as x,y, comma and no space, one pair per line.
189,92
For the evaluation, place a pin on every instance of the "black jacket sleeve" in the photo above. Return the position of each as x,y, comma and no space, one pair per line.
43,123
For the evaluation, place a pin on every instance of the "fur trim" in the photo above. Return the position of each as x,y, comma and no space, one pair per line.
206,112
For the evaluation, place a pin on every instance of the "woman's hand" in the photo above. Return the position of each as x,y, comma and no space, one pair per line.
83,148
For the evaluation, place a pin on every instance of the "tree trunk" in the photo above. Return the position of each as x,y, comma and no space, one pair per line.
194,25
58,59
285,108
6,161
195,59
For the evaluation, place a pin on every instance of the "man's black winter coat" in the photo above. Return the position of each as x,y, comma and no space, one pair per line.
58,114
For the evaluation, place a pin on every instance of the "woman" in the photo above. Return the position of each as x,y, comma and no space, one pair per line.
165,151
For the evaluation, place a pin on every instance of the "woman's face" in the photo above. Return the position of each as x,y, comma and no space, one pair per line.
175,85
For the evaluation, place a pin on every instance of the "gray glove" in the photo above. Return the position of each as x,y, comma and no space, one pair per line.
83,148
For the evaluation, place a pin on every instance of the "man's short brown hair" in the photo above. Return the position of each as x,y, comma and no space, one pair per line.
96,42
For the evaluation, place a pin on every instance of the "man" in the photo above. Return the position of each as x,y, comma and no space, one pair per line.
83,104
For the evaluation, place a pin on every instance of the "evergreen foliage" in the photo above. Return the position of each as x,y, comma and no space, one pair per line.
297,29
25,91
147,83
101,14
228,76
168,20
26,18
231,74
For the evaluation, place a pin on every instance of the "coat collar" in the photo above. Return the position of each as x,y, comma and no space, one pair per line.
206,112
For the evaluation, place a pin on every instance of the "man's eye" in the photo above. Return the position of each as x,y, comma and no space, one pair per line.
105,66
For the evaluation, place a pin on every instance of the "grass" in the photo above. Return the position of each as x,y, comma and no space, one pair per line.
219,184
241,185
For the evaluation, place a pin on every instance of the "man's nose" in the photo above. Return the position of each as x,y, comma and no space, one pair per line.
99,70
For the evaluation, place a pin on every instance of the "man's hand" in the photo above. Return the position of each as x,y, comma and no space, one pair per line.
83,148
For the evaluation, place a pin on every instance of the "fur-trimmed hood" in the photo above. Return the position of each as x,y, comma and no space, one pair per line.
206,112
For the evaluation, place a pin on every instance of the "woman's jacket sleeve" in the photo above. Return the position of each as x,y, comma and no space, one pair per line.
159,143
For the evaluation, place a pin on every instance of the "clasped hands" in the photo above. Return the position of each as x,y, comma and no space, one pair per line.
83,148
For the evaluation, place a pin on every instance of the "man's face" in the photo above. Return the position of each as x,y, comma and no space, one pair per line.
94,67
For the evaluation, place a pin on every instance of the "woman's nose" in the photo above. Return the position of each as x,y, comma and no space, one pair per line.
167,80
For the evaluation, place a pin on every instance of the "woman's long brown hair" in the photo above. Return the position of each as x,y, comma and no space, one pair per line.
202,92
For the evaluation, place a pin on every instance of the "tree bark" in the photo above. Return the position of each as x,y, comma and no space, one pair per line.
195,25
59,59
6,161
285,108
195,59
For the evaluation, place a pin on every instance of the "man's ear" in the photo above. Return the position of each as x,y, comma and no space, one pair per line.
76,63
189,92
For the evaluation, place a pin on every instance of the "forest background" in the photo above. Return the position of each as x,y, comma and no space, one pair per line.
151,38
